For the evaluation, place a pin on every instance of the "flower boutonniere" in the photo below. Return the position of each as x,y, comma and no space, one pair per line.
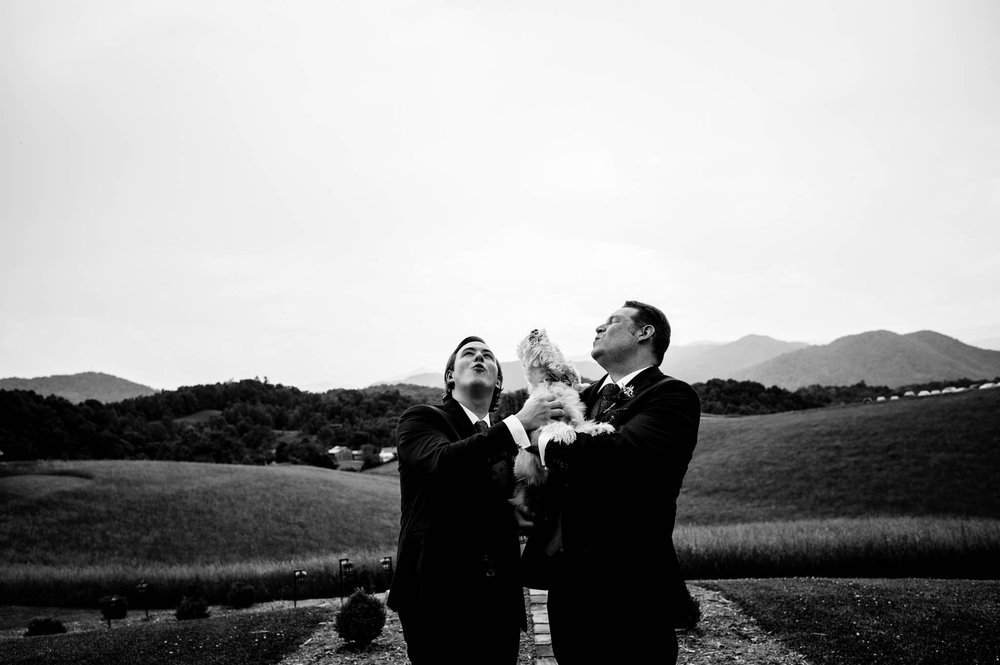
628,391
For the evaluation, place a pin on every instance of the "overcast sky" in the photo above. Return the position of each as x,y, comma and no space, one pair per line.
334,193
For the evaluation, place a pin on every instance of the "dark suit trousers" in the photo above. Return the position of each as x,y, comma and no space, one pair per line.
594,622
475,627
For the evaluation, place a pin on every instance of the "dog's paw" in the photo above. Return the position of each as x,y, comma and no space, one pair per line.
594,428
561,432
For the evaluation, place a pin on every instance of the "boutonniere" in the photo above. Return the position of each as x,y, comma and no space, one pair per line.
628,391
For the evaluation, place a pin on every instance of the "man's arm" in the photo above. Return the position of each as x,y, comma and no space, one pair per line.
424,446
664,429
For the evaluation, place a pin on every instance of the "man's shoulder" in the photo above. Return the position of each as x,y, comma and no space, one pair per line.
658,383
679,388
426,408
424,411
675,383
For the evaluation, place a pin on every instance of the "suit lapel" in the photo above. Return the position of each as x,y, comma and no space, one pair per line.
456,417
590,394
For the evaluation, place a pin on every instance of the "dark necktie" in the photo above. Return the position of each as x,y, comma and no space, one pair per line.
608,395
481,426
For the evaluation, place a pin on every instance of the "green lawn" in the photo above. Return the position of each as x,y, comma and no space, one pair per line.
876,621
238,639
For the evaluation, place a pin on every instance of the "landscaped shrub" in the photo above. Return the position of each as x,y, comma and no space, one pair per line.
361,619
45,626
241,595
113,607
192,607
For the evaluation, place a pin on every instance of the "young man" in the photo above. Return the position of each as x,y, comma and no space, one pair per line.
615,582
456,586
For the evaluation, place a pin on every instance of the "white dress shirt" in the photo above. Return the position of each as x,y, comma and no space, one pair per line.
512,423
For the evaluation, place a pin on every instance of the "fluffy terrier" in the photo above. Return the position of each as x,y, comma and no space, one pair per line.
549,373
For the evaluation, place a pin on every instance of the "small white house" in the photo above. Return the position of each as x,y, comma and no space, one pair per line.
924,393
986,386
342,453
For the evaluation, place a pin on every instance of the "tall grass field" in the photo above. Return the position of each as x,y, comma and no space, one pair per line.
899,489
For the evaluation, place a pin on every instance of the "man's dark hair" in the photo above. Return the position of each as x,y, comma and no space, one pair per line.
647,315
450,385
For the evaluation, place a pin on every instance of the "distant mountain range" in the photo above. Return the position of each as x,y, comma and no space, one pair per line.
878,358
80,387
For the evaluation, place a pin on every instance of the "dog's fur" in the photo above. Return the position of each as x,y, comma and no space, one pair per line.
549,373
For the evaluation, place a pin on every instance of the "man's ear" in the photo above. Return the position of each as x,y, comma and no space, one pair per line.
646,332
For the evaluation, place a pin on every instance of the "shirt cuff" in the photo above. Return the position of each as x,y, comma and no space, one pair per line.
517,431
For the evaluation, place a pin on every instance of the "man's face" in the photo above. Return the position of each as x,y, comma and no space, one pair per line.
475,365
615,338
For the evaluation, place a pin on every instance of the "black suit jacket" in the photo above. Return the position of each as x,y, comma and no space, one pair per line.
458,533
618,492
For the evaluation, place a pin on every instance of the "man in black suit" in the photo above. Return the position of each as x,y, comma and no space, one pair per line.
456,586
615,583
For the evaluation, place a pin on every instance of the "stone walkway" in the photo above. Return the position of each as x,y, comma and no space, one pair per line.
537,605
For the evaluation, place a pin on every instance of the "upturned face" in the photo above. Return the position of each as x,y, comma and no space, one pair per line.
475,366
616,337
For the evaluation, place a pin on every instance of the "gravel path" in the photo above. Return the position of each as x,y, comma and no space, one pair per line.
724,636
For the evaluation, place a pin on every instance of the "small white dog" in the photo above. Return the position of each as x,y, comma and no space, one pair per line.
549,373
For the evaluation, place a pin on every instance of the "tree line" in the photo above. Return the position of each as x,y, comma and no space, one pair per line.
255,422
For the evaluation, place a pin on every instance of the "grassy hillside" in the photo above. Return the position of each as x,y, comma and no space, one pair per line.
107,512
934,456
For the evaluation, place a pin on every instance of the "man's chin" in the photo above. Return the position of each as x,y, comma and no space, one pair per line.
481,383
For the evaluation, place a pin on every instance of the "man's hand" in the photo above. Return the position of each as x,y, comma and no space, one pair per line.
539,410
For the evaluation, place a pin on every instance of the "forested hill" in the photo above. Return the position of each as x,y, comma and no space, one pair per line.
248,422
254,422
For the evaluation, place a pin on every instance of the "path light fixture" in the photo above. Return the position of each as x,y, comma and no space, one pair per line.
346,568
296,576
141,588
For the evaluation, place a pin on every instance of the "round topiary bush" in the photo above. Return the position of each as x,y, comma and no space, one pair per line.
192,607
45,626
361,619
241,595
